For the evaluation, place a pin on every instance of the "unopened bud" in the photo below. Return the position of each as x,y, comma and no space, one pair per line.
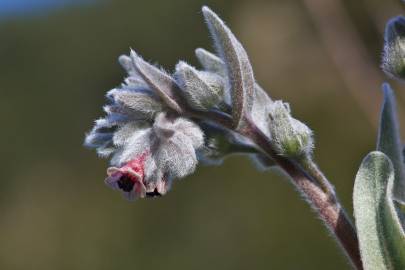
202,90
291,138
394,48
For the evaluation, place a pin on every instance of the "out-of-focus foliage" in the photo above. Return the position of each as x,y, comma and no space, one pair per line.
378,196
56,213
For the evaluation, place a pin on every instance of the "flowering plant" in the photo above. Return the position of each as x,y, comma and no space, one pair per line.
159,126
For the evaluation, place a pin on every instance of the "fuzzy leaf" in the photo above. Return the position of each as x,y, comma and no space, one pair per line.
125,133
177,156
369,188
261,109
134,82
176,142
238,67
126,62
158,80
165,128
211,62
393,231
261,100
143,103
389,141
190,130
120,111
97,139
202,90
134,145
381,236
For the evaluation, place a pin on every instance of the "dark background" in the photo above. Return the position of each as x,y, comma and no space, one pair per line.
322,56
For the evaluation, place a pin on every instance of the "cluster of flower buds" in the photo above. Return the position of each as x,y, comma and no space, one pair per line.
155,129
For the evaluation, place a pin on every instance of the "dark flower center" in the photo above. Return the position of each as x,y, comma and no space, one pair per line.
154,193
125,183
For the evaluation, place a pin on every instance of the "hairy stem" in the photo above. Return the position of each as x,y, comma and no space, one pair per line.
319,194
308,179
316,174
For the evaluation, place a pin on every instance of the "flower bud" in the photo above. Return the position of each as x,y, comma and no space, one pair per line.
202,90
291,138
394,48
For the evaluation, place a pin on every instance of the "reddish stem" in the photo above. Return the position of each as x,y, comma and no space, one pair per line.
325,203
311,183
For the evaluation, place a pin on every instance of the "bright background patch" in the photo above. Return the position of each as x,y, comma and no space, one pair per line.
29,7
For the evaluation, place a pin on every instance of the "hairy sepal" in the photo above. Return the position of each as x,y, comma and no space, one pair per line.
202,90
157,80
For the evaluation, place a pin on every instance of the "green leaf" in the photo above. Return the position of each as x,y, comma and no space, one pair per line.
239,69
369,186
392,229
381,237
389,141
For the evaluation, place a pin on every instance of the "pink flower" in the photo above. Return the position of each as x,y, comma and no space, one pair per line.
131,181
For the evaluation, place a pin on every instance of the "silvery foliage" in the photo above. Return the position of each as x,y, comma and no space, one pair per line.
158,114
379,190
394,48
379,196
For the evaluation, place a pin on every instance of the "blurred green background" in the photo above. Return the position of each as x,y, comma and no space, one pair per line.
322,56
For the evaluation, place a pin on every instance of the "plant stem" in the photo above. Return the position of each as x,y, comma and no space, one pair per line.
312,184
312,169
